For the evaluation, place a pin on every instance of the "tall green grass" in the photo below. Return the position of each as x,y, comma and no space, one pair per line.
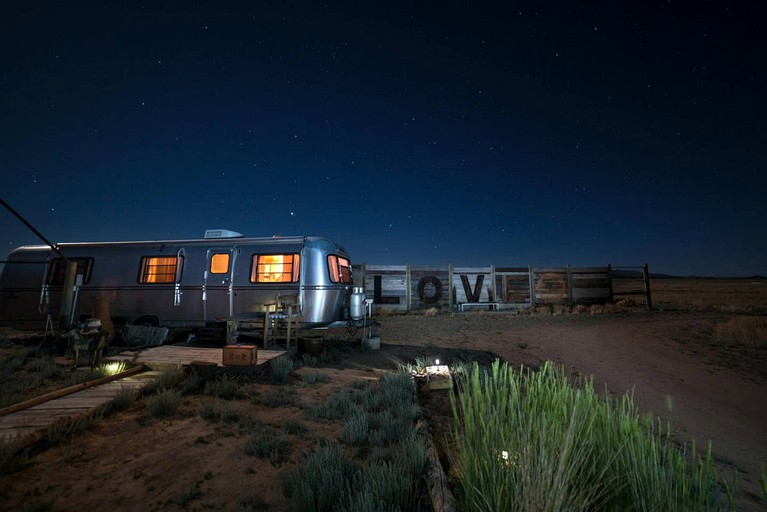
530,440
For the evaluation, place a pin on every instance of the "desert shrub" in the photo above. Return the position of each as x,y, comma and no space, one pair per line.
379,487
294,427
248,503
45,367
328,481
742,330
192,383
313,378
354,431
282,369
337,406
394,391
66,427
381,415
163,403
328,356
217,410
188,495
279,398
13,362
122,399
322,482
309,360
165,380
410,455
386,428
225,387
249,423
268,444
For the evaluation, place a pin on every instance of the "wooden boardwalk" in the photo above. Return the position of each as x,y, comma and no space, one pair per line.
25,424
21,424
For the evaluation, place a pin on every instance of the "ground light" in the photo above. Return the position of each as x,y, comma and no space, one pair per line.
113,368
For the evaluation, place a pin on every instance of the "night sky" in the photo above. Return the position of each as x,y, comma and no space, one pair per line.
505,133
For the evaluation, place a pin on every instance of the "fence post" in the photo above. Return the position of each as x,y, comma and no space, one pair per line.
570,284
408,288
610,282
646,276
532,286
493,287
450,302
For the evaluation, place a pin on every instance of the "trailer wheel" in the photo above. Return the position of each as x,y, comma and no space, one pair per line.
147,321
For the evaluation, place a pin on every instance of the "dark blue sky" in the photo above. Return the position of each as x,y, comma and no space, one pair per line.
506,133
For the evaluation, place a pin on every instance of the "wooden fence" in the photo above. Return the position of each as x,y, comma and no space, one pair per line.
406,287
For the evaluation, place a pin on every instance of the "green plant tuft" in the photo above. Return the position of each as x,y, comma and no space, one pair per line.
268,444
313,378
164,403
217,410
225,387
545,441
282,370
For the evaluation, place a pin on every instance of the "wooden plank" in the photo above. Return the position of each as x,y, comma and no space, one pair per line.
512,270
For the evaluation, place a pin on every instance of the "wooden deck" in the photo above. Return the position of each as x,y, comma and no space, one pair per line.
176,356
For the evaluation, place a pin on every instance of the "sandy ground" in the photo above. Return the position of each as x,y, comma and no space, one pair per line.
667,359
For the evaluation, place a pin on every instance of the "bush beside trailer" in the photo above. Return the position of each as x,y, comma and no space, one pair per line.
183,283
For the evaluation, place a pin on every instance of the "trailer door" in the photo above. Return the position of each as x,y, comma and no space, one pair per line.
217,291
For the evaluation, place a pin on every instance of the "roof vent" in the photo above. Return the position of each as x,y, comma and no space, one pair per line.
222,233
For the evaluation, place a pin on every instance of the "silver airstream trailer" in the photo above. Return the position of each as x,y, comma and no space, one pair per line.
182,283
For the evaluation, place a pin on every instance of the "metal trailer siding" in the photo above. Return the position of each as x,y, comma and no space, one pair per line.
115,276
321,298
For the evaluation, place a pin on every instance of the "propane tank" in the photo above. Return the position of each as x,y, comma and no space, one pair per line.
357,303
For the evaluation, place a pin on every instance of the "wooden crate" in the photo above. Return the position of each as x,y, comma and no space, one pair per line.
240,355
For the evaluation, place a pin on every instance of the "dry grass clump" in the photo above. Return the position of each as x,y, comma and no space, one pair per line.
164,403
742,330
380,311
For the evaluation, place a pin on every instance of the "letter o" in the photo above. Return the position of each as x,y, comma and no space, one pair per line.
437,289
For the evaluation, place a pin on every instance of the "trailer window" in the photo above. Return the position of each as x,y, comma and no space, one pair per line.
340,269
275,268
59,267
160,269
219,263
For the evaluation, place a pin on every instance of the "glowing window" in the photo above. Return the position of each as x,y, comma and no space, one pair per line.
219,263
340,269
159,269
58,268
275,268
